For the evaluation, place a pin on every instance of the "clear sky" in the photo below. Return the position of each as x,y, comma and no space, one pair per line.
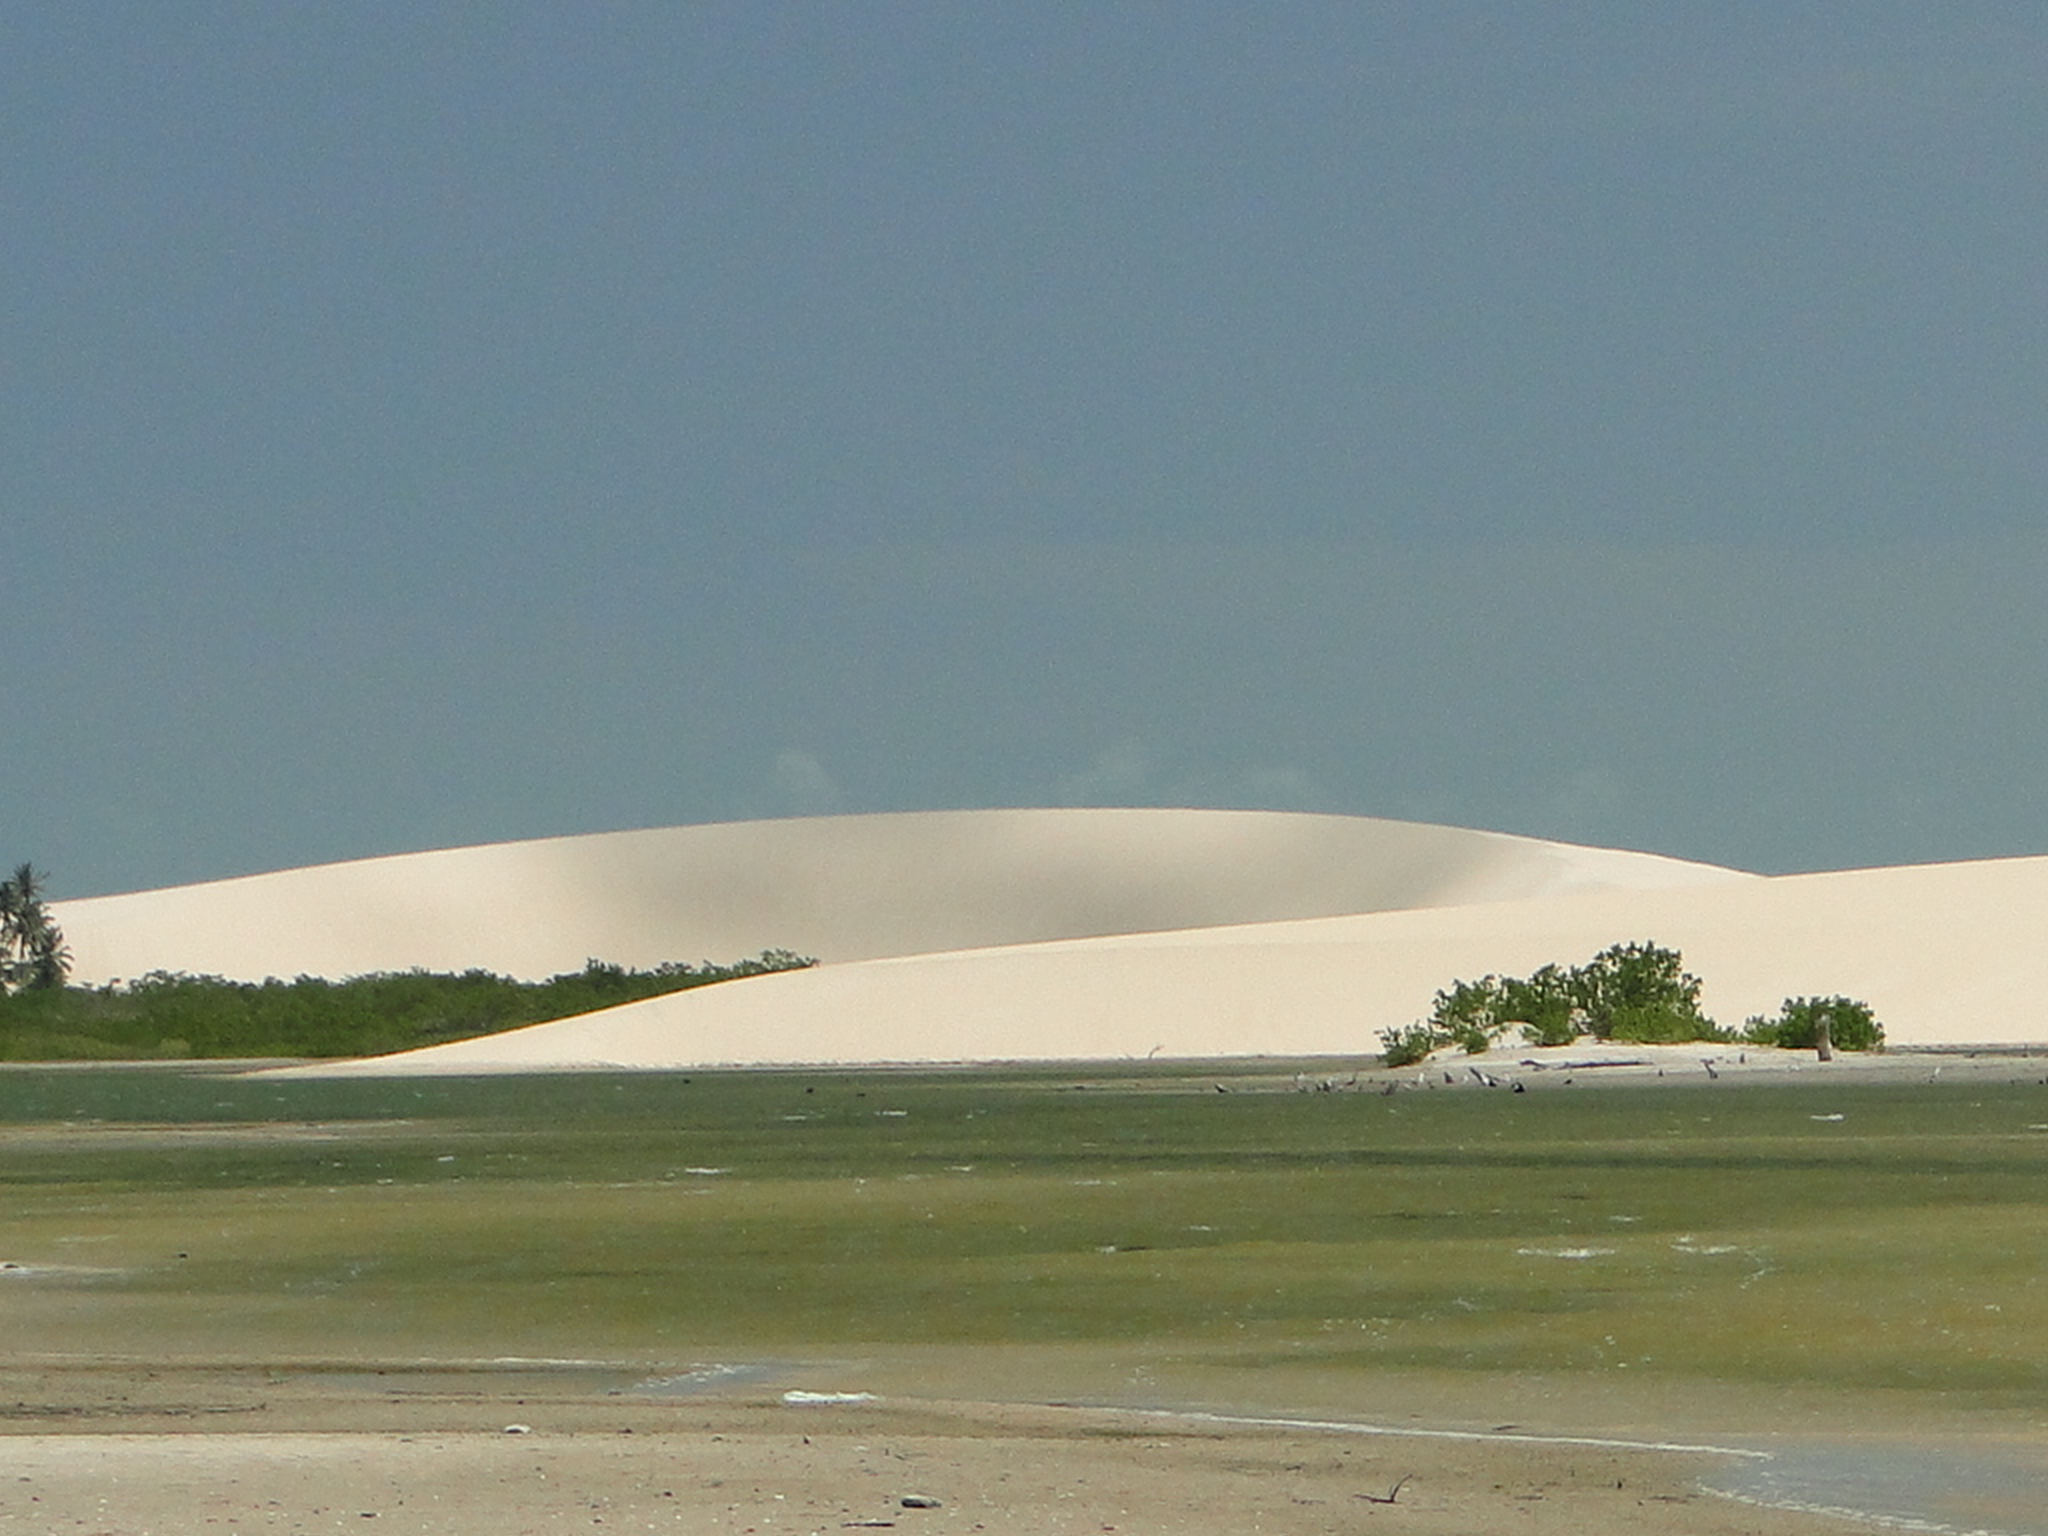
425,424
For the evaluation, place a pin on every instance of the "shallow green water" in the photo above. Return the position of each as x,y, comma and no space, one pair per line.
1832,1236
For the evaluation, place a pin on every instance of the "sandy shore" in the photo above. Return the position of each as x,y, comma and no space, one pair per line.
137,1451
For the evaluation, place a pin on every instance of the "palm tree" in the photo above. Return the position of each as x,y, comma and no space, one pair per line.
33,953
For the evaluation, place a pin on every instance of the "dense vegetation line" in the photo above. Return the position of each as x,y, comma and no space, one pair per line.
169,1014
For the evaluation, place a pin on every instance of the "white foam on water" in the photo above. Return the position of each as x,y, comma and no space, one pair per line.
814,1399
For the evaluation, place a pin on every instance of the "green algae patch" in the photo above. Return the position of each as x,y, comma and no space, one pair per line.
1832,1235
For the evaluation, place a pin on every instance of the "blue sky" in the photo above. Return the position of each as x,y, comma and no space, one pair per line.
426,424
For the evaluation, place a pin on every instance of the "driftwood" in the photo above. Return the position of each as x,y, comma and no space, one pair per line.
1390,1495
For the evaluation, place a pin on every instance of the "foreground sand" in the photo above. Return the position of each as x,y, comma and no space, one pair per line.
141,1451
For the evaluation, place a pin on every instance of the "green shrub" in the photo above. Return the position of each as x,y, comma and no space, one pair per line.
1560,1029
1641,992
1635,992
1657,1024
1851,1025
1468,1011
1407,1045
1546,1005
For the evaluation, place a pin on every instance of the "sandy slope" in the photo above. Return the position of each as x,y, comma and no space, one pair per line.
1943,953
841,888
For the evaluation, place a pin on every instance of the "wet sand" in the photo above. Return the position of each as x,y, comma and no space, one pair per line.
139,1450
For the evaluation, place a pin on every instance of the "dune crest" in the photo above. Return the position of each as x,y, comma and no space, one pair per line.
842,888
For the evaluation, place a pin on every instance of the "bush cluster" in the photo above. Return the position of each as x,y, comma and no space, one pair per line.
170,1014
1851,1025
1639,993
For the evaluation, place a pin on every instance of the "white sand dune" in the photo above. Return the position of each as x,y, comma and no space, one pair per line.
1941,952
840,888
1056,934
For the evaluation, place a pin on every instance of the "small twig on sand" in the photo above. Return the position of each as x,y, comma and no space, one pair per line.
1392,1493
